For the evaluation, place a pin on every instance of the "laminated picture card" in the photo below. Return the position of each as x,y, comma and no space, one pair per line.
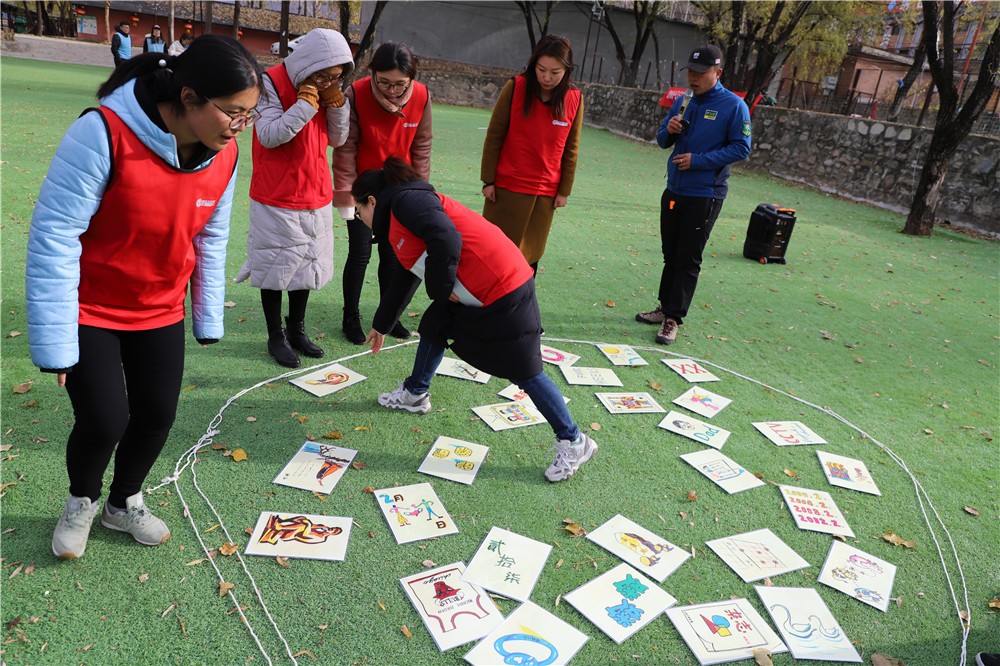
692,428
629,403
590,376
291,534
454,460
722,470
722,631
847,473
858,574
327,380
454,611
508,563
622,355
557,356
702,402
316,467
757,555
507,415
788,433
414,513
690,370
807,625
645,550
453,367
530,636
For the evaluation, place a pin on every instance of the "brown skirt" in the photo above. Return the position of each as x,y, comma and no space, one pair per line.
525,219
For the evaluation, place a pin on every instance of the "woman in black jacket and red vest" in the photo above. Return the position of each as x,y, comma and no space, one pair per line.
482,293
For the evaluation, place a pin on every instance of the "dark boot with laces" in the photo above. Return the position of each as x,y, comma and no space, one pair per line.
278,347
399,331
295,332
352,327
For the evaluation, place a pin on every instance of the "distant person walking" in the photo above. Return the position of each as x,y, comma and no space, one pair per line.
713,133
153,42
121,43
179,46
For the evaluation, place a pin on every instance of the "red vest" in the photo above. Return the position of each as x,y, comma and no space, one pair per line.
138,252
490,266
296,174
385,134
531,157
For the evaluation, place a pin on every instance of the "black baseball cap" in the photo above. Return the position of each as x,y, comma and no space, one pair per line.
704,57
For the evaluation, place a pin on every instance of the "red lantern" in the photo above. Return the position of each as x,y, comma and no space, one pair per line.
239,34
188,26
135,19
81,11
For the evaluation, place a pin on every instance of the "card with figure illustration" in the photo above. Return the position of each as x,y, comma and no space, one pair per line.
557,356
722,631
508,563
507,415
692,428
646,551
690,370
316,467
622,355
847,473
453,367
454,460
858,574
788,433
702,401
529,635
630,403
580,376
807,625
721,469
757,555
454,611
292,534
815,510
414,512
620,602
327,380
517,394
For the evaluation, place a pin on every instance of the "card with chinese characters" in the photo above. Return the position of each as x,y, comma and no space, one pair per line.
327,380
622,355
646,551
291,534
529,635
453,367
517,394
629,403
557,356
316,467
692,428
507,415
858,574
454,460
757,555
620,602
454,611
690,370
847,473
722,470
788,433
508,564
590,376
702,401
722,631
414,512
815,510
806,624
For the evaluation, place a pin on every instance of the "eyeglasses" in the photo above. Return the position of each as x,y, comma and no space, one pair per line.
322,79
238,120
389,86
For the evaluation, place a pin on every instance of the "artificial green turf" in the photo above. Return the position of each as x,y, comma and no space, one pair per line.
896,334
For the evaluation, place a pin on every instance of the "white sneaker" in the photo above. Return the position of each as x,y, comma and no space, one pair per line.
403,399
569,457
138,521
69,540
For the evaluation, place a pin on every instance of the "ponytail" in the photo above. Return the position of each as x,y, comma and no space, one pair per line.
371,183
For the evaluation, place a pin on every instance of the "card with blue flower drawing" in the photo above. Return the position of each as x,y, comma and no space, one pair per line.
529,635
807,625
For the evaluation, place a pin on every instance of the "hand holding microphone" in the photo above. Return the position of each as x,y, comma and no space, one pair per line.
688,94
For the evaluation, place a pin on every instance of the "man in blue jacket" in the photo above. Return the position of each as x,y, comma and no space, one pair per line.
121,43
708,132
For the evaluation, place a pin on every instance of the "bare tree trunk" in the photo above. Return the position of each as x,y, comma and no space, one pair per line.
345,19
920,221
525,8
656,52
107,20
283,28
171,14
369,35
206,9
919,56
39,11
236,19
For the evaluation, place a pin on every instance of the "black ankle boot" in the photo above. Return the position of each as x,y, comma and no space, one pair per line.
278,347
352,327
295,331
400,331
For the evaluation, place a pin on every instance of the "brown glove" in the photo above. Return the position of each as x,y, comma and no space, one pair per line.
309,93
331,96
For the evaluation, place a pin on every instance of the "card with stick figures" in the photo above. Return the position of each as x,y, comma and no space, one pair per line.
630,403
327,380
858,574
788,433
646,551
702,401
454,460
557,356
590,376
721,469
692,428
529,635
414,512
757,555
453,367
508,563
815,510
722,631
292,534
517,394
316,467
847,473
454,611
690,370
622,355
507,415
620,601
806,624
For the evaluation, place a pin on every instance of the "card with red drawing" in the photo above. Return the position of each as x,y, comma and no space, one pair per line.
630,403
557,356
690,370
847,473
517,394
292,534
815,510
721,631
317,467
327,380
858,574
788,433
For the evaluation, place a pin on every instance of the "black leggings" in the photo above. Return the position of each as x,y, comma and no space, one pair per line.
359,253
270,300
124,391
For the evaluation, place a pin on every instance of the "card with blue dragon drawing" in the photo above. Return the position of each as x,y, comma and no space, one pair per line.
581,376
557,356
414,513
692,428
630,403
815,510
517,394
529,635
507,415
807,625
690,370
454,611
327,380
722,631
757,555
292,534
645,550
622,355
620,602
847,473
454,459
722,470
508,563
453,367
702,401
788,433
317,467
858,574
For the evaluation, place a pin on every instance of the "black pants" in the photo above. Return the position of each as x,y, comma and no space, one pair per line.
685,225
124,391
359,253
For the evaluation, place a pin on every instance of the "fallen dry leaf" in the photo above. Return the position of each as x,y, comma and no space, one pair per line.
304,652
370,490
406,632
16,571
283,561
229,304
228,548
682,515
219,447
896,540
559,564
762,657
302,419
899,601
320,496
882,659
380,604
656,386
23,388
994,602
969,509
367,427
429,564
251,419
358,465
791,473
224,588
13,334
768,583
558,599
333,434
573,527
595,426
692,496
169,608
609,304
143,577
371,535
239,455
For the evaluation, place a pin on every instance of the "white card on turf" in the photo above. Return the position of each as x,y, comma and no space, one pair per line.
702,401
453,367
517,394
454,460
690,370
620,601
507,415
646,551
557,356
722,631
788,433
807,625
858,574
622,355
815,510
508,564
590,376
692,428
757,555
414,512
327,380
454,611
316,466
630,403
722,470
300,535
529,635
847,473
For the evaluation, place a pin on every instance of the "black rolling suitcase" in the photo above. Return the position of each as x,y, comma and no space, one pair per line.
768,234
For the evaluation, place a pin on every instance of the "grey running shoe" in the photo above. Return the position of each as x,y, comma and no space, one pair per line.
69,541
138,521
403,399
569,457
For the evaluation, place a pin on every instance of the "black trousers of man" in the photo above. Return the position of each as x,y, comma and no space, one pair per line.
685,225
